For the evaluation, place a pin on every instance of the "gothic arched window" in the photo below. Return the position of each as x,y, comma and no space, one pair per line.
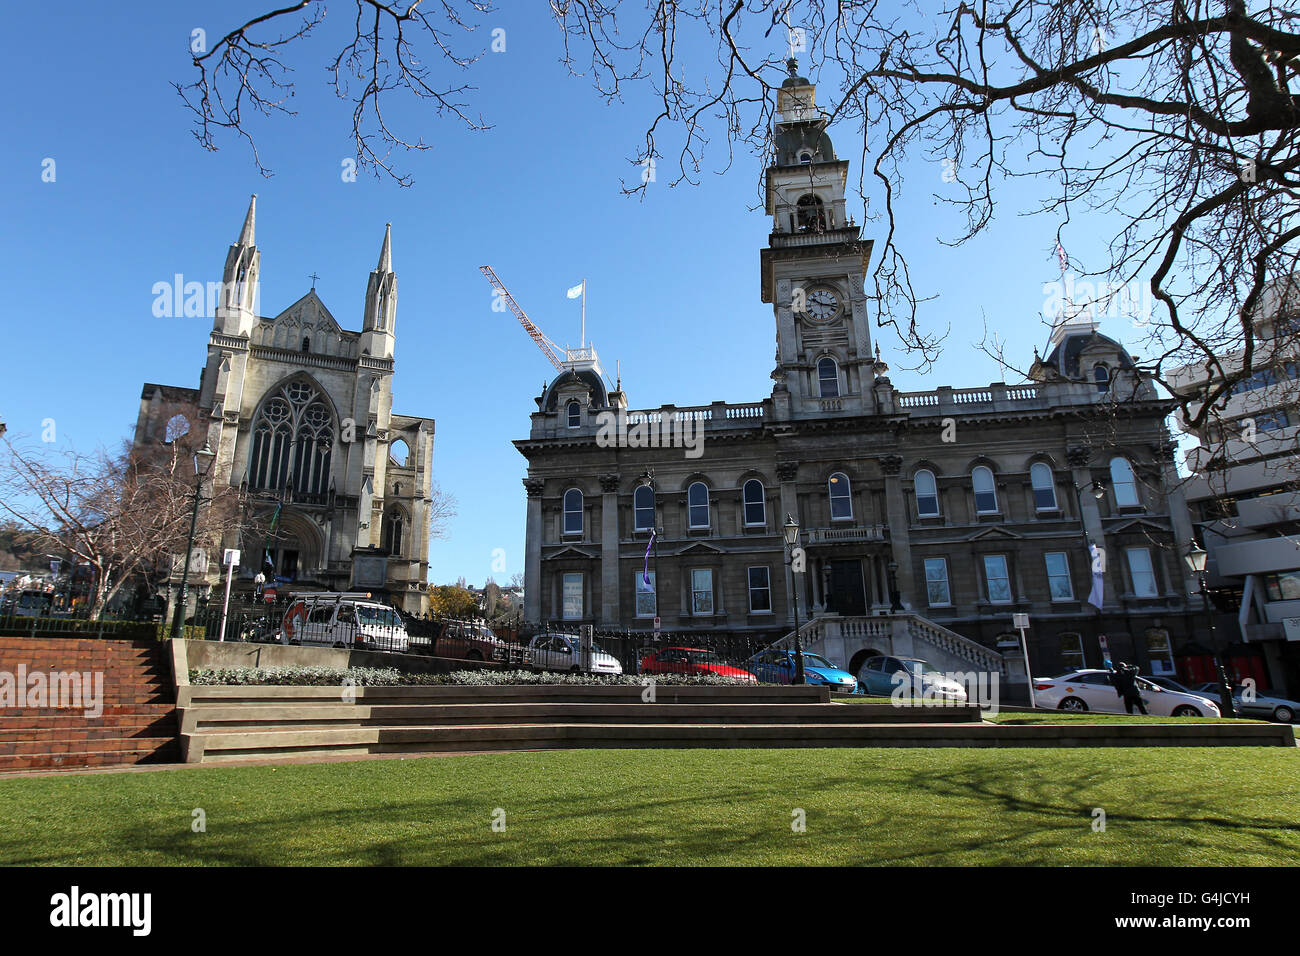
394,525
293,438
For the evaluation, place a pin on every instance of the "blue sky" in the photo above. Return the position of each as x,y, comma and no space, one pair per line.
673,278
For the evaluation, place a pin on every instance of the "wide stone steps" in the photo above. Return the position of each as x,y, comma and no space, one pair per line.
224,724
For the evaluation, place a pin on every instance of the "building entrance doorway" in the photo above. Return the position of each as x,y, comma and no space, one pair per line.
846,594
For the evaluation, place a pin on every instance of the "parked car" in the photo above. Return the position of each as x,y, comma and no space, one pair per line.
691,660
1168,683
1091,690
1277,709
343,619
468,641
34,603
882,676
776,666
563,652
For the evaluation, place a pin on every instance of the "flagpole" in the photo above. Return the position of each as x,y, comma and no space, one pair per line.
583,343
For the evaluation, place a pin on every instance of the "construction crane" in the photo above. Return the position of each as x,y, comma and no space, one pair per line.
549,349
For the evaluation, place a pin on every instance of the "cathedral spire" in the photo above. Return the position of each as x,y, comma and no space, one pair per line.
246,234
386,253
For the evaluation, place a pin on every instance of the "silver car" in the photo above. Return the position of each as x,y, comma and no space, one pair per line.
1091,690
1277,709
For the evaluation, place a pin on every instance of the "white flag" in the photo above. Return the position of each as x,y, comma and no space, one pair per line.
576,290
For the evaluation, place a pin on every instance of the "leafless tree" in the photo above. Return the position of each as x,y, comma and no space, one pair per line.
122,514
1167,126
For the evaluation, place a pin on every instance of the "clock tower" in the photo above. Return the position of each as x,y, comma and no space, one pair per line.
813,269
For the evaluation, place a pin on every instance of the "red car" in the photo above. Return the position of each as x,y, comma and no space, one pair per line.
691,660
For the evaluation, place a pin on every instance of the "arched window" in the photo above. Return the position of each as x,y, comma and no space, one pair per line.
828,378
643,508
1101,375
697,505
755,504
812,214
1123,483
306,344
841,495
1044,485
927,494
400,453
575,414
986,494
573,511
292,441
394,525
805,157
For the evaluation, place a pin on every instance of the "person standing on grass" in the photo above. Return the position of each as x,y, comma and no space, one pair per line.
1124,678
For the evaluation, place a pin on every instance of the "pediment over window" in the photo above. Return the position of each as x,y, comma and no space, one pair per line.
985,534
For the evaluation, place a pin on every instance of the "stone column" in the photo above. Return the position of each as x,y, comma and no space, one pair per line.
533,552
609,563
899,539
786,472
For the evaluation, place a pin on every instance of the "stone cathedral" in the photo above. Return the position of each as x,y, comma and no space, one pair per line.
299,413
927,519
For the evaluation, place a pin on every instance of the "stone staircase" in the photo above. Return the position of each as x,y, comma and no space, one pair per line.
223,724
138,723
240,723
842,639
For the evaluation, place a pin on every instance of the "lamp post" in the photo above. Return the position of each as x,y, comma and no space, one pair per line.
1196,558
895,599
203,459
791,531
1098,490
647,480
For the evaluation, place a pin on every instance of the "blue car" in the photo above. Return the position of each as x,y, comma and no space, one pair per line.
776,666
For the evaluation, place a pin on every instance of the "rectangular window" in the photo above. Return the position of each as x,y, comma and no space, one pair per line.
1058,576
1142,573
701,591
645,594
936,582
573,596
1072,653
1159,653
760,591
998,578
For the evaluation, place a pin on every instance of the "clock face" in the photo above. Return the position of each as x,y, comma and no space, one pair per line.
821,304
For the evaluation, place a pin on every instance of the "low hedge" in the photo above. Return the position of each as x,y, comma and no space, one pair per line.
391,677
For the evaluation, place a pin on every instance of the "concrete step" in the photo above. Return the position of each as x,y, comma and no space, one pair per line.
215,747
524,694
215,718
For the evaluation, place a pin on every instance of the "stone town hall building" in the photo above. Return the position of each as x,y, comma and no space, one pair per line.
927,518
299,412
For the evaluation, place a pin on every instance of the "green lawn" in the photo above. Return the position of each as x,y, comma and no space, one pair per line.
1177,806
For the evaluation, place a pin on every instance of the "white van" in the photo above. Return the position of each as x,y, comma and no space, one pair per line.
343,619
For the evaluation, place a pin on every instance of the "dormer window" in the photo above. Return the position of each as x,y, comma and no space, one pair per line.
805,158
574,413
1101,375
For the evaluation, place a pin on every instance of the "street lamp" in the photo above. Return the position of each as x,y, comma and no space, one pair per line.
791,531
895,599
203,459
1196,558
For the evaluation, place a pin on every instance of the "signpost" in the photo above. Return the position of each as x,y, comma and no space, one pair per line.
1020,622
229,559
